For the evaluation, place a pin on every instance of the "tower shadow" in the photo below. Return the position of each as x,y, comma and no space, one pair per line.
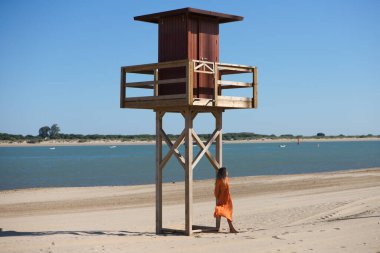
12,233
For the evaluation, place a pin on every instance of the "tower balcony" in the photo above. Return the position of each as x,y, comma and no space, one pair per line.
189,83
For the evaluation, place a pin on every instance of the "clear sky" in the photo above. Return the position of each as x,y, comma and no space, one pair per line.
319,65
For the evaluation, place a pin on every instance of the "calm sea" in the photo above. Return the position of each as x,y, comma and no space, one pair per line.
25,167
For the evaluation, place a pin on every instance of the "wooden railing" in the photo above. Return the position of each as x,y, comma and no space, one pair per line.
191,66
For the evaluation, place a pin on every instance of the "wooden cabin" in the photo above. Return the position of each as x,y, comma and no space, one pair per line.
188,71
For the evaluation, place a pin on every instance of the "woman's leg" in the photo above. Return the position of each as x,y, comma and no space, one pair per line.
218,223
232,229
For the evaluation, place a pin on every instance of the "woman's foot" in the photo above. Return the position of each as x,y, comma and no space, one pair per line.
234,231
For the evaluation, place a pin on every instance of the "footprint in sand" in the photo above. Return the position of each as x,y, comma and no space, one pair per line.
278,238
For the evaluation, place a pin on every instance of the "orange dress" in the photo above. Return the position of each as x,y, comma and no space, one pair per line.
223,199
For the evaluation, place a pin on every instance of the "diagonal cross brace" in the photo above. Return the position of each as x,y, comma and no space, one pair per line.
205,149
204,67
173,148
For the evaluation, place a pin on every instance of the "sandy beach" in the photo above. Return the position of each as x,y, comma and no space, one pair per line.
326,212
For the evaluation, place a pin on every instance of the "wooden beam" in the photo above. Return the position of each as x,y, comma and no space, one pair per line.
150,84
204,72
244,70
164,104
210,157
225,87
235,65
180,103
234,102
155,84
189,82
205,148
233,84
173,148
122,87
216,85
193,115
162,97
218,149
159,116
219,140
143,85
189,174
255,84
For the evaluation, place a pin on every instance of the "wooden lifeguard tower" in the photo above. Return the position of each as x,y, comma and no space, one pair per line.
188,80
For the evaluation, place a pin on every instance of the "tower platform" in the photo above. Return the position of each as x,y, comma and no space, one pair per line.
187,94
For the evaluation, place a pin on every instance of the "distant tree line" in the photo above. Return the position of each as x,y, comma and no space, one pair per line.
49,132
53,133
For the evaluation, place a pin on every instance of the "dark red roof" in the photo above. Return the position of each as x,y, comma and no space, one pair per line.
222,17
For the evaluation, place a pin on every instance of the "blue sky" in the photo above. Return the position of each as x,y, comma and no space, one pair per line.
319,65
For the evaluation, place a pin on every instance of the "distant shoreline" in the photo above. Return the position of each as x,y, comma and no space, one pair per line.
50,143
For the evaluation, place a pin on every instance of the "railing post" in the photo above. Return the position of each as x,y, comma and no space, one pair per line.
216,86
155,85
189,81
122,87
254,99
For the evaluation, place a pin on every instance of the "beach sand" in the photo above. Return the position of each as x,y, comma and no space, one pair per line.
325,212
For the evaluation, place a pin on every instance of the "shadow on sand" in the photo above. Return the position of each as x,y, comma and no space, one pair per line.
82,233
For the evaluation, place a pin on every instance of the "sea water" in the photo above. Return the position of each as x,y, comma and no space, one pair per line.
65,166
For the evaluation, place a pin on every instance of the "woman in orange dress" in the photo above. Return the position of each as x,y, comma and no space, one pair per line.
223,199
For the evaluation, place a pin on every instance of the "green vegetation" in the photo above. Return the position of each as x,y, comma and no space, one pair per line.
53,132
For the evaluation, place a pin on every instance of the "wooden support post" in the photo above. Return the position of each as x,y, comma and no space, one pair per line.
189,162
255,84
219,139
188,173
155,85
218,147
216,84
159,116
122,87
189,82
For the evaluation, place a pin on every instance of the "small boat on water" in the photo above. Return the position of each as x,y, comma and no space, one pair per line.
282,146
113,146
52,148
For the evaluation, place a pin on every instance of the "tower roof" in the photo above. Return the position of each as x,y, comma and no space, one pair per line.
222,17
